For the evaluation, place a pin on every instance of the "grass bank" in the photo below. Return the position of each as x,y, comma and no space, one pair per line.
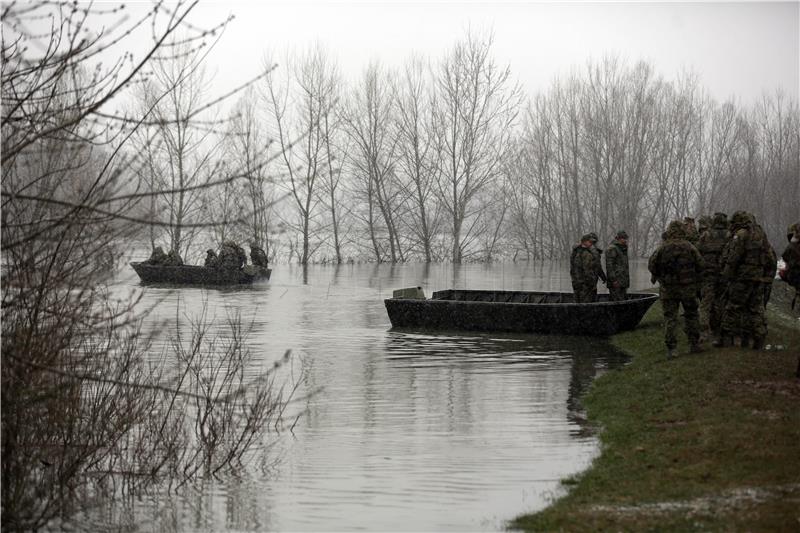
703,442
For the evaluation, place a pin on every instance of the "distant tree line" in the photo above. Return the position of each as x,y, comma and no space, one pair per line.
447,160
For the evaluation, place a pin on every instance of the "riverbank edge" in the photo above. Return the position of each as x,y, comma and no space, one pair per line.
707,441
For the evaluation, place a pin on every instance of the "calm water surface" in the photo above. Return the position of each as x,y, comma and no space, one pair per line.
410,430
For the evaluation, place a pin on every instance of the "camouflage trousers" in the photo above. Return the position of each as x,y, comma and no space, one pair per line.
617,295
584,293
672,299
712,304
744,310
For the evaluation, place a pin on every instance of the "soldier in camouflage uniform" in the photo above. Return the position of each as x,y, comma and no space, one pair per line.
583,269
770,268
743,271
710,246
703,225
677,266
598,254
231,256
617,270
691,230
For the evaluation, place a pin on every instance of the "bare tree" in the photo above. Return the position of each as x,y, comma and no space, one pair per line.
367,118
183,147
246,145
477,105
416,167
298,106
337,148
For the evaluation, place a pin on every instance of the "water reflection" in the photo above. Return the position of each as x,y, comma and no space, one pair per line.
412,430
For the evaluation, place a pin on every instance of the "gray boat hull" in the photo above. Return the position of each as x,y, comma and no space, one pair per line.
519,311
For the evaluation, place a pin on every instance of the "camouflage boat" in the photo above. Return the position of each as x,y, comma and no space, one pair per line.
200,275
515,311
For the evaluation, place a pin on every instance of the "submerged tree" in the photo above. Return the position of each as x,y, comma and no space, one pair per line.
83,410
476,108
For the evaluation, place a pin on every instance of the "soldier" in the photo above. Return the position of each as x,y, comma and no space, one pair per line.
598,254
583,269
743,271
677,266
173,259
212,261
703,225
257,255
691,231
231,256
770,268
710,246
790,273
617,270
158,257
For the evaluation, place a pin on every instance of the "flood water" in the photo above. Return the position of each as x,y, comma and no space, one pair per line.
409,430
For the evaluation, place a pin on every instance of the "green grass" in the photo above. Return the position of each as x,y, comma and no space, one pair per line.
684,441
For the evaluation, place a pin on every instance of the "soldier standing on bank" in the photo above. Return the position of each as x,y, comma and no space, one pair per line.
770,268
677,266
743,271
691,230
617,268
710,246
703,225
583,269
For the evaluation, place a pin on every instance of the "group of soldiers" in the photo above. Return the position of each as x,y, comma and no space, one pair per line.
232,256
586,268
720,273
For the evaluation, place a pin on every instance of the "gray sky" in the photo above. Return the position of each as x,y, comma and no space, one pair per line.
739,49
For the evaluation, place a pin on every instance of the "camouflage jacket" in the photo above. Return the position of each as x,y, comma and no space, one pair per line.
710,246
617,268
584,266
598,255
748,256
676,263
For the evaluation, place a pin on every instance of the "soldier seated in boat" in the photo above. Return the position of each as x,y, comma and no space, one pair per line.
173,259
257,255
212,261
231,256
157,257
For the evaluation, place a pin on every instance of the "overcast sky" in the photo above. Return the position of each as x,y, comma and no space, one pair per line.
739,49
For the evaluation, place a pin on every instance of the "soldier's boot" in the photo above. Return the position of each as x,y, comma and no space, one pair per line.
745,343
758,343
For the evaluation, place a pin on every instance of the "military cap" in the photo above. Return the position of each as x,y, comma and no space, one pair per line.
622,234
675,230
587,237
593,236
720,219
741,219
688,219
